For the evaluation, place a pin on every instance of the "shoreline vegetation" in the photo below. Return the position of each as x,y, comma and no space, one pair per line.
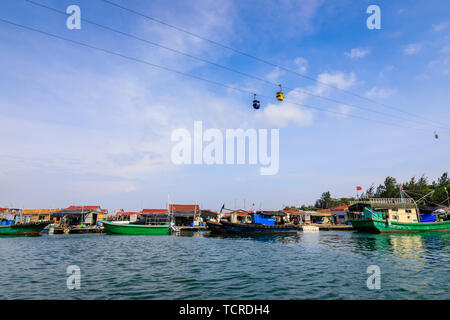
419,189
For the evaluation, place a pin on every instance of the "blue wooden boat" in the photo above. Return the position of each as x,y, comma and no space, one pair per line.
262,222
215,227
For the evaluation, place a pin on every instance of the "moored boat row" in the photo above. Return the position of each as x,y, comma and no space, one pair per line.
373,216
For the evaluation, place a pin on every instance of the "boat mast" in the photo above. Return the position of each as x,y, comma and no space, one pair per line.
169,211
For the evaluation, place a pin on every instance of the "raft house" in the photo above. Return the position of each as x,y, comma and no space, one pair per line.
339,215
79,219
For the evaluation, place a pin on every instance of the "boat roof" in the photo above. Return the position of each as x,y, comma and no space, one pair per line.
156,214
278,213
383,203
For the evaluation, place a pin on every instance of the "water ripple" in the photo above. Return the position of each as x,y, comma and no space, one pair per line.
325,265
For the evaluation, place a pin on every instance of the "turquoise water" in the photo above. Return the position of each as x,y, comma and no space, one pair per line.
325,265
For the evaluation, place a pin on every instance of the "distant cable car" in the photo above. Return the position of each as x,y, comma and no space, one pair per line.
256,104
280,95
436,135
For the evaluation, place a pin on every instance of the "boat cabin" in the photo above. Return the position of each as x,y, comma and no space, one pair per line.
237,216
153,219
270,218
394,209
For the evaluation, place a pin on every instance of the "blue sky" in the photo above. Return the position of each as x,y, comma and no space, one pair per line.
80,126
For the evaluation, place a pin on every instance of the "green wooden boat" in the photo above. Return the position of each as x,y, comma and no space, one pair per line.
23,229
119,227
371,225
393,216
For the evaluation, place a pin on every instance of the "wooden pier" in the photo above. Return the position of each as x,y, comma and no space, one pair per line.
334,227
194,228
77,230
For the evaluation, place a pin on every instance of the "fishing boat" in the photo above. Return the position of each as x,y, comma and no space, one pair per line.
261,222
391,215
215,225
23,229
148,224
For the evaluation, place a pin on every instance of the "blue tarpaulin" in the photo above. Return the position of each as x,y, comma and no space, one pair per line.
427,217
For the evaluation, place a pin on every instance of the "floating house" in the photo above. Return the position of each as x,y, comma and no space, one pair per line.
8,216
79,215
321,216
25,216
339,215
37,215
207,214
297,216
186,215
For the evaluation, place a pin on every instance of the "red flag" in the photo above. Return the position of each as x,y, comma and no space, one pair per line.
358,188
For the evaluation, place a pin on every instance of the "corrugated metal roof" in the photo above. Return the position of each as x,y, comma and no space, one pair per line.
83,208
340,208
184,207
154,211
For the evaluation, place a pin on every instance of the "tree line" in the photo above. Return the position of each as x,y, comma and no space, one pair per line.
423,192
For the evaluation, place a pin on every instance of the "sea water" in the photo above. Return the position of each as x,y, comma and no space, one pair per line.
320,265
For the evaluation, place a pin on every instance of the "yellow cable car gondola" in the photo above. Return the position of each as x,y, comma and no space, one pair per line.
280,95
256,104
436,135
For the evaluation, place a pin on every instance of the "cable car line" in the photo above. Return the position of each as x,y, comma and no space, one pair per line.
279,94
83,44
270,63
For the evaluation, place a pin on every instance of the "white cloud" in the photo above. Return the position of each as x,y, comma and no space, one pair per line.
337,79
441,26
441,66
379,93
301,63
275,75
286,113
217,22
412,48
344,110
357,53
445,49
